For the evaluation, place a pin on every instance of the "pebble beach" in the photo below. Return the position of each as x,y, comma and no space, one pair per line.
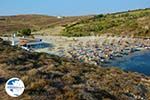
97,50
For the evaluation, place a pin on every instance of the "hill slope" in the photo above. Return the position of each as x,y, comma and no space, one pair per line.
132,23
9,24
49,77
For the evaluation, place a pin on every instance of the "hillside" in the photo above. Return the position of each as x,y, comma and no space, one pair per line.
9,24
134,23
49,77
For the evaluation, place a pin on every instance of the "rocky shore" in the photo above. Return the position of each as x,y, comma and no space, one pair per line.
57,78
95,50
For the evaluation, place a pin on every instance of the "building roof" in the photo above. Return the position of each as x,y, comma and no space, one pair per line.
24,41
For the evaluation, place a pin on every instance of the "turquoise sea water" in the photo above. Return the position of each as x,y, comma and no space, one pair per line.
137,62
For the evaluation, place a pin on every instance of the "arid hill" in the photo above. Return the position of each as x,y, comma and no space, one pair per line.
9,24
49,77
134,23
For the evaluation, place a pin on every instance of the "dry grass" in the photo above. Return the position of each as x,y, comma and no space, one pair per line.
9,24
49,77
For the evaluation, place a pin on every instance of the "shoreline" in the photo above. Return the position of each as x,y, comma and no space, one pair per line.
86,49
135,62
100,51
92,49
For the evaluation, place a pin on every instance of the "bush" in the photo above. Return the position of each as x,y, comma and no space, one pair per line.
25,32
99,16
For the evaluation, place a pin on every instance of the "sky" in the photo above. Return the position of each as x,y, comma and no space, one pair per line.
69,7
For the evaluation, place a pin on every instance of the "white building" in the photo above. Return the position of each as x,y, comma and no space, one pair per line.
28,43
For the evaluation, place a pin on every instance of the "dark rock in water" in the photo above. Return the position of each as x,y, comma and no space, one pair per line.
124,53
134,50
117,54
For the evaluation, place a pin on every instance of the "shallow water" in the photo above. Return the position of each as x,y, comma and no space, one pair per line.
137,62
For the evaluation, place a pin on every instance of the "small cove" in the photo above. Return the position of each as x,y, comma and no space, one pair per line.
136,62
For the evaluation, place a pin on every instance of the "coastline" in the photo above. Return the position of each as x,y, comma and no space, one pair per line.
94,50
135,62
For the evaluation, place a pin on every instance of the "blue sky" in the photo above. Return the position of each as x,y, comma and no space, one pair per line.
69,7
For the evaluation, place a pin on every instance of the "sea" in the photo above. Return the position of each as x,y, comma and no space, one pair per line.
136,62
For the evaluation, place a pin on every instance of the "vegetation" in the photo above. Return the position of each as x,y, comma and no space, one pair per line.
132,23
11,24
48,77
25,32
